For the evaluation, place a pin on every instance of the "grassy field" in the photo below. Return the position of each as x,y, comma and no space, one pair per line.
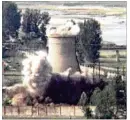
112,53
79,9
108,61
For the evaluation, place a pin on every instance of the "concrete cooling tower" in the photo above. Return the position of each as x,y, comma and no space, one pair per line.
62,53
61,43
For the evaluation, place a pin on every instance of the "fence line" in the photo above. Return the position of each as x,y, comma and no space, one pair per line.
42,111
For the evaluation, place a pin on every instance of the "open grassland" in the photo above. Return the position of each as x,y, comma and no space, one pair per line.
78,9
108,58
112,53
96,11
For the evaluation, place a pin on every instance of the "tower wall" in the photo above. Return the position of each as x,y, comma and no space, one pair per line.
62,54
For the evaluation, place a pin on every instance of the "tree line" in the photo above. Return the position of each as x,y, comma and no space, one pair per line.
23,26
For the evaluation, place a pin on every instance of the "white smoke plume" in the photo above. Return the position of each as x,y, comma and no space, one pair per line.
70,28
36,70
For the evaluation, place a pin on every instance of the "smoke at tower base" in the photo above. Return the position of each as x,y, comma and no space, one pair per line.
57,87
40,83
37,71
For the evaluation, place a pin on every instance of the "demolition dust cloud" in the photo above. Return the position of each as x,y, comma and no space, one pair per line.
36,70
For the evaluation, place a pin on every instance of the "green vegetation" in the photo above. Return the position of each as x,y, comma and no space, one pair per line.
109,101
88,112
33,25
10,20
91,39
7,101
104,100
120,88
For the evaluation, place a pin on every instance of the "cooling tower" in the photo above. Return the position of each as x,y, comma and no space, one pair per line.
62,54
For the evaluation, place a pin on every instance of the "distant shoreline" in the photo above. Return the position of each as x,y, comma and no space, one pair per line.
75,3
